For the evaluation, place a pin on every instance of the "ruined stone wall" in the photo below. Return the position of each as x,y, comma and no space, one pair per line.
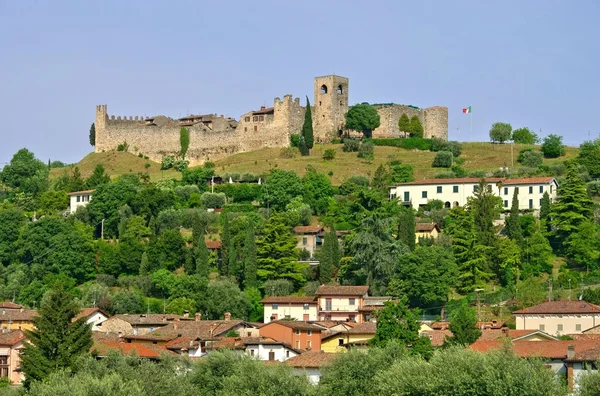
433,119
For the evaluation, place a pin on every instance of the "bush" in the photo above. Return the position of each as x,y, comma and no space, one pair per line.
140,155
123,147
181,165
441,145
443,159
294,140
478,174
351,145
213,200
412,143
329,154
167,162
288,152
500,132
366,151
553,146
524,136
594,188
520,157
454,147
532,159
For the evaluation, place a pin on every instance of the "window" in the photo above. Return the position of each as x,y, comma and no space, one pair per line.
475,188
319,103
306,306
531,204
245,129
4,371
506,203
541,189
340,90
559,327
255,118
4,359
309,332
247,119
352,301
423,194
352,317
516,189
79,198
297,332
287,354
308,344
577,327
323,89
406,196
439,189
261,118
505,190
454,189
530,189
251,352
271,355
255,128
551,189
489,188
328,304
340,341
274,306
543,327
304,240
297,344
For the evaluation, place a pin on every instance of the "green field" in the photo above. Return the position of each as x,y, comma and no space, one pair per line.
477,156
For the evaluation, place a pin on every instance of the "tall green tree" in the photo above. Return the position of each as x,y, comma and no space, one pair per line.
225,244
93,134
500,132
202,256
486,207
545,208
407,228
317,190
76,182
583,245
307,127
362,118
330,256
281,187
553,147
56,340
589,156
513,223
416,128
463,324
404,123
233,265
572,208
144,264
524,136
249,257
184,141
26,173
537,254
98,178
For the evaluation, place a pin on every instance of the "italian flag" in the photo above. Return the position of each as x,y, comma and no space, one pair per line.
467,110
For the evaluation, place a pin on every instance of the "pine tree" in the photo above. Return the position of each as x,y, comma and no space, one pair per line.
56,341
93,134
513,222
330,256
485,207
404,123
225,242
407,228
202,256
144,264
307,128
250,258
573,207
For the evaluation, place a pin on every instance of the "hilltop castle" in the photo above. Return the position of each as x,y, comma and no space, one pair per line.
213,137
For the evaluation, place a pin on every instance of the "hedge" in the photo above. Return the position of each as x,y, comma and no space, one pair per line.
410,143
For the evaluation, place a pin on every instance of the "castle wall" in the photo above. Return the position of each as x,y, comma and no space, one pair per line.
433,119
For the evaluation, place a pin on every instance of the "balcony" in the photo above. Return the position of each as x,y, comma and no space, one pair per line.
338,308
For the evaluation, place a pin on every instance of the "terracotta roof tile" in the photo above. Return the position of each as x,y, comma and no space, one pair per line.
490,180
11,337
424,227
138,349
308,229
9,305
290,300
561,307
21,314
437,337
149,320
198,329
528,180
311,359
296,325
586,355
495,334
81,192
210,244
364,328
342,290
542,349
86,312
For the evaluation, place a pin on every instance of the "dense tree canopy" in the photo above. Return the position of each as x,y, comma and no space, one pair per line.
362,118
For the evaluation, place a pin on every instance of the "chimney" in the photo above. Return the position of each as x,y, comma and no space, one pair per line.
186,314
227,316
198,316
262,107
571,352
176,324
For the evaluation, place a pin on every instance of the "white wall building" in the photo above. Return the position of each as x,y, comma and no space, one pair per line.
79,198
559,317
455,192
94,317
302,308
269,349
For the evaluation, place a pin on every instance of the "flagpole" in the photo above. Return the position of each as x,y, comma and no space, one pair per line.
470,125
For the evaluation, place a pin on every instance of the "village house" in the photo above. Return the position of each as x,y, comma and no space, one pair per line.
265,348
11,343
559,317
79,198
17,319
290,307
94,317
357,336
426,231
104,344
455,192
136,324
310,364
299,335
309,237
341,303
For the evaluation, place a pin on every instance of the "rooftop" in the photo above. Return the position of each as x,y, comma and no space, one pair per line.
11,337
148,320
198,329
87,312
311,229
342,290
561,307
9,305
475,180
311,359
541,349
364,328
81,192
426,227
437,337
290,300
296,325
21,314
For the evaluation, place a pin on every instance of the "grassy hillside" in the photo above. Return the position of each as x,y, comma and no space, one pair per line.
477,156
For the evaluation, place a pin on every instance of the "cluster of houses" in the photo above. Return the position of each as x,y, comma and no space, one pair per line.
307,333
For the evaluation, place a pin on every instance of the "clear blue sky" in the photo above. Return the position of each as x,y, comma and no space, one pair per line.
531,63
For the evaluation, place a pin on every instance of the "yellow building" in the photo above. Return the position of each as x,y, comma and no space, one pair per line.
358,336
426,231
17,319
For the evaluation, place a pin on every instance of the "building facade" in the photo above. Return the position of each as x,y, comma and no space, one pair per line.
79,198
290,307
341,303
559,317
456,192
299,335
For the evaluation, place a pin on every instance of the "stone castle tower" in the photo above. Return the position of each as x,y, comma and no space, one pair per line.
330,106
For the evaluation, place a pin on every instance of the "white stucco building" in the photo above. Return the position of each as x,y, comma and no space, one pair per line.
79,198
302,308
94,317
559,317
455,192
263,348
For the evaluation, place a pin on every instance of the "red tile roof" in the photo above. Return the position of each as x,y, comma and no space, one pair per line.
495,334
528,180
542,349
342,290
437,337
308,229
210,244
81,192
290,300
138,349
10,305
311,359
587,355
87,312
148,320
296,325
561,307
426,227
440,325
489,180
25,315
11,337
364,328
198,329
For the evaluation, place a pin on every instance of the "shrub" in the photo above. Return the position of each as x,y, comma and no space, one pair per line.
478,174
140,155
294,140
524,136
532,159
288,152
366,151
351,145
123,147
167,162
444,175
213,200
455,147
181,165
329,154
437,144
520,157
443,159
337,141
553,146
412,143
441,145
146,165
594,188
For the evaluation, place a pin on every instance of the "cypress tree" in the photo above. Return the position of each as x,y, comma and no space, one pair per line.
233,264
513,225
407,228
93,134
144,264
225,242
416,129
198,228
330,257
545,208
404,123
307,128
202,255
250,258
56,341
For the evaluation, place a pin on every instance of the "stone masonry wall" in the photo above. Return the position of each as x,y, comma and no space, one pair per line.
433,119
